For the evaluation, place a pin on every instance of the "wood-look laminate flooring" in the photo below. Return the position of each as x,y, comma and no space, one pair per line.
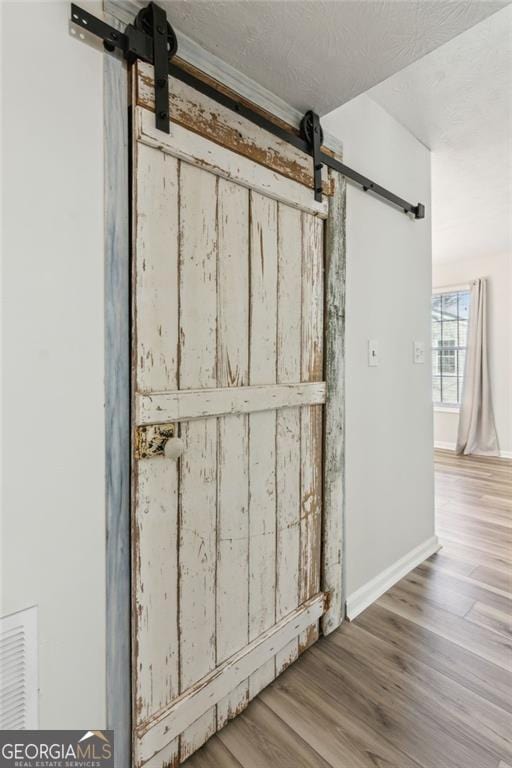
422,678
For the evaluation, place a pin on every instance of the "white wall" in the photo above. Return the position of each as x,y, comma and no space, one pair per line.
53,548
389,483
498,270
53,453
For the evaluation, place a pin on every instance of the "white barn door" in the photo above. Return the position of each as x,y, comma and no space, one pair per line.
228,351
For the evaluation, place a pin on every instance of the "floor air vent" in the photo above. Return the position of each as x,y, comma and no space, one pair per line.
18,670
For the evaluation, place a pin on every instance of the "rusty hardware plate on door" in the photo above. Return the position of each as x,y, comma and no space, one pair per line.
150,439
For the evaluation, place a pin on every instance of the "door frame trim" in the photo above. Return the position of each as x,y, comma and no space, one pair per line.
333,510
117,185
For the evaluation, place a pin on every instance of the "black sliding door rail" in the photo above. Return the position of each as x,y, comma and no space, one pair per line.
144,40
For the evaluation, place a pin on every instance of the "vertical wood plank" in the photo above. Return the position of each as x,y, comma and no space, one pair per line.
334,445
233,469
262,429
311,417
117,403
156,607
288,422
197,734
155,538
198,275
156,287
312,298
167,757
233,285
198,465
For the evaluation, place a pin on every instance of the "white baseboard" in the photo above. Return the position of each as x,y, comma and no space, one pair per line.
451,447
445,446
367,594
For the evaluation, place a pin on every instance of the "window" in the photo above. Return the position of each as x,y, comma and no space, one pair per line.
449,337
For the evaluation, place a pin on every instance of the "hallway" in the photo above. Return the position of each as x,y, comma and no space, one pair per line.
421,679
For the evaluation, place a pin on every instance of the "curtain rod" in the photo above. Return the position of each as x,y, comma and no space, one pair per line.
452,288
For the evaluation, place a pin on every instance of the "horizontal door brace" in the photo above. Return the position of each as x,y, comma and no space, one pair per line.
153,407
137,42
173,719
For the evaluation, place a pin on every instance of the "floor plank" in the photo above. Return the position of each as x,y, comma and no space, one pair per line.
392,714
475,555
480,641
214,755
262,739
436,696
441,585
423,678
499,579
491,618
336,733
476,674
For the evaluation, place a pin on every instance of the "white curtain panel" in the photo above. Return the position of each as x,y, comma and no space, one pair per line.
477,430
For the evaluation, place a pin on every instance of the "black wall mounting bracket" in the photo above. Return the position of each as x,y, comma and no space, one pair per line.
152,39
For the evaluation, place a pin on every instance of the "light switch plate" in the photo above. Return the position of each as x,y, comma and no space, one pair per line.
373,352
419,352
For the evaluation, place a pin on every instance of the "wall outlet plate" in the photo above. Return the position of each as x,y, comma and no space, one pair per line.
419,352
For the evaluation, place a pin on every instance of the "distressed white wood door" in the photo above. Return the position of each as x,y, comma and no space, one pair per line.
228,345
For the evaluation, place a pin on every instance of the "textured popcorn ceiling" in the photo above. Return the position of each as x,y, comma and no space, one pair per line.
458,101
321,53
